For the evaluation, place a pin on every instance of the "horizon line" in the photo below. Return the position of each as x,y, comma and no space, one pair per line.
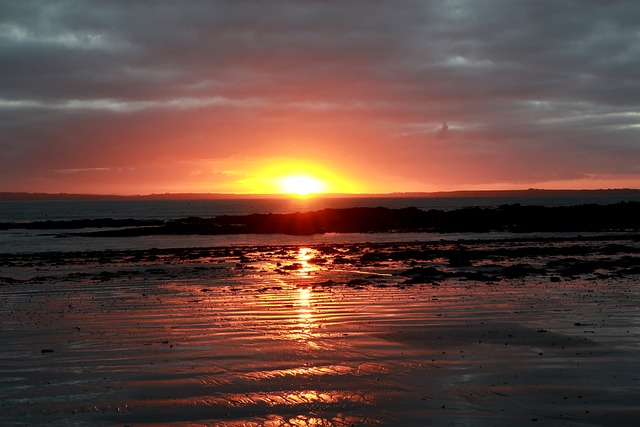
21,195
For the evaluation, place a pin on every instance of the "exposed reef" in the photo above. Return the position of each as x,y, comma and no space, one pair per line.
624,216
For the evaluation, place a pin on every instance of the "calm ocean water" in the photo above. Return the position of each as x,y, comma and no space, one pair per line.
22,241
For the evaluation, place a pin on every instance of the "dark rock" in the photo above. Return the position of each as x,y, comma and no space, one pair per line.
519,270
623,216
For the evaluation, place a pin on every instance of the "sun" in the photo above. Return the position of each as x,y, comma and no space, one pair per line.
301,185
293,178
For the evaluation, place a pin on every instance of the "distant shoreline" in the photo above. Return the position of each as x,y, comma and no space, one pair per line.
26,196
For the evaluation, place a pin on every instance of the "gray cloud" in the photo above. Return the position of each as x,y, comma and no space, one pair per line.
533,83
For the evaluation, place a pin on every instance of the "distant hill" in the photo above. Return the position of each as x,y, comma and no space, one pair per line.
532,192
166,196
19,196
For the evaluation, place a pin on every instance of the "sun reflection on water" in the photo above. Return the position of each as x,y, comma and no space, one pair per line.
305,254
306,326
307,262
339,420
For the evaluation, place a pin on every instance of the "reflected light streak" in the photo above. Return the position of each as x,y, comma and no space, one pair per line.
339,420
296,318
304,297
306,321
305,254
306,371
304,258
269,398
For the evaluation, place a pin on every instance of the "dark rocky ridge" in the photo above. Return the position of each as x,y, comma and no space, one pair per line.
624,216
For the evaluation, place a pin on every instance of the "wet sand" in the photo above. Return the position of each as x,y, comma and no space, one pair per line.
538,331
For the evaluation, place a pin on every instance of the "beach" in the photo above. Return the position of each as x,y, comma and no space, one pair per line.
453,332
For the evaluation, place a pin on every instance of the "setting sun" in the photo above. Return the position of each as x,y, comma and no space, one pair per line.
292,177
301,185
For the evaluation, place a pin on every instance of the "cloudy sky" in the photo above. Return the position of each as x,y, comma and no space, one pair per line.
371,96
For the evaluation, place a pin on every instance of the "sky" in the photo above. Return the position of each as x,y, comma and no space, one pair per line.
121,97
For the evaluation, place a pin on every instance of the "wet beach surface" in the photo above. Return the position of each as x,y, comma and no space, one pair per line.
536,331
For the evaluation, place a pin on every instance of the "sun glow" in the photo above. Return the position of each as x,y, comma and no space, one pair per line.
295,178
301,185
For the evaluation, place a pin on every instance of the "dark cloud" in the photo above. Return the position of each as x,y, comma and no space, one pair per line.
549,86
443,131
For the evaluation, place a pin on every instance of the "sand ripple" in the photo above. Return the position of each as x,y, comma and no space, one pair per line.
239,340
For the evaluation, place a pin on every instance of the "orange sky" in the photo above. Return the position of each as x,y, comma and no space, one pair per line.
384,97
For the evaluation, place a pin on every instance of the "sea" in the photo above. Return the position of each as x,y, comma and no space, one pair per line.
17,240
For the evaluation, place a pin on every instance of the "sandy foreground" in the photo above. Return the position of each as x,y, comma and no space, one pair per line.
496,333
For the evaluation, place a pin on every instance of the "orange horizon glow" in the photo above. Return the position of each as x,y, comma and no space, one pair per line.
287,177
290,177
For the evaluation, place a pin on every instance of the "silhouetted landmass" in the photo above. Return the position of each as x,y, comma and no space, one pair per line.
514,218
18,196
532,192
79,223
